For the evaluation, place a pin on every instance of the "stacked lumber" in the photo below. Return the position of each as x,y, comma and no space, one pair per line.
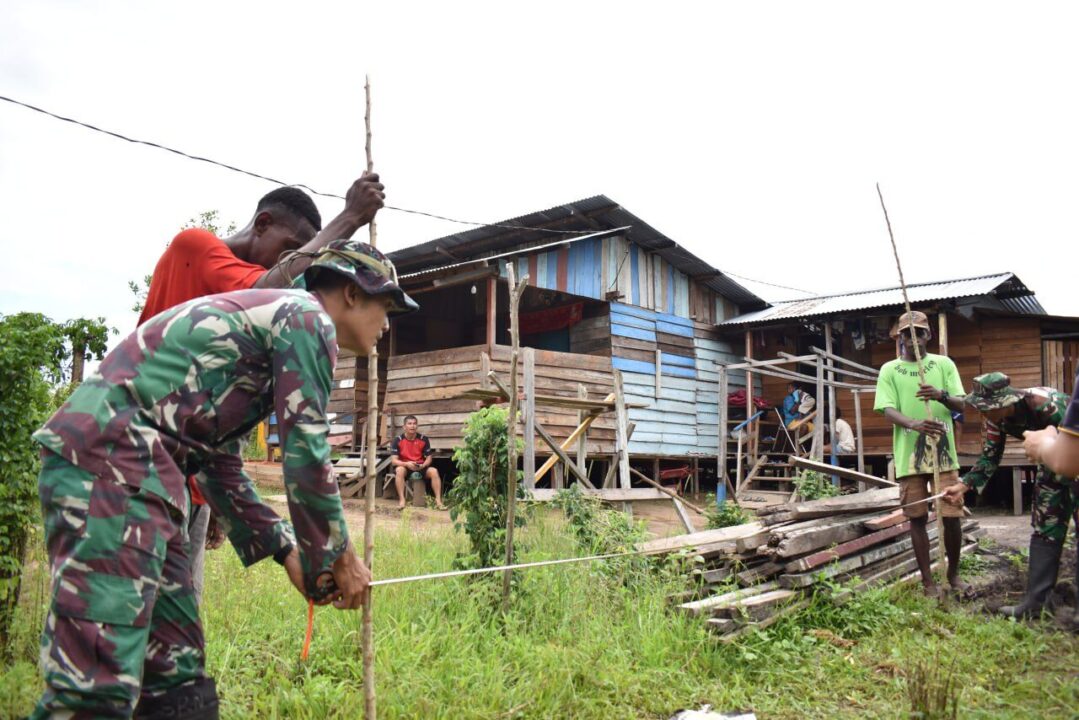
748,576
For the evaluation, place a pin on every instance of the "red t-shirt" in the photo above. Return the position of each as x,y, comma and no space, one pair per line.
196,263
414,450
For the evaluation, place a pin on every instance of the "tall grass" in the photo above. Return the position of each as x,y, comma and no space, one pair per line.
584,644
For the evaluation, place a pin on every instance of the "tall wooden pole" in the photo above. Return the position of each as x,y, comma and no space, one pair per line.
511,431
931,441
372,458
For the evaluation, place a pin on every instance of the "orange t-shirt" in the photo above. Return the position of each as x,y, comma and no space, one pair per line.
196,263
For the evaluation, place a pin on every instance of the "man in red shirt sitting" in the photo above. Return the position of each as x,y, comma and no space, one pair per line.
198,263
412,455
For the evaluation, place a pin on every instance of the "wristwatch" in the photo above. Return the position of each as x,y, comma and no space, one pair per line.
943,397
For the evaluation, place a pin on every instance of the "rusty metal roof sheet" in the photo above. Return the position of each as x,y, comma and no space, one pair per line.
540,228
1006,288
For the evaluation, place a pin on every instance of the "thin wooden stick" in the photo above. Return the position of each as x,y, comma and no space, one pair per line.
511,429
369,497
931,441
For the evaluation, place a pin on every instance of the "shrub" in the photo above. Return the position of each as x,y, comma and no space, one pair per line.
812,485
478,497
724,514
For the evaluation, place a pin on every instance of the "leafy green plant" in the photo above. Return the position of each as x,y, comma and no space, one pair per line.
812,485
602,531
933,694
478,498
724,514
32,349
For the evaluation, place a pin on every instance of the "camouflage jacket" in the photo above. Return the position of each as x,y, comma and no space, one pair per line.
1040,408
180,394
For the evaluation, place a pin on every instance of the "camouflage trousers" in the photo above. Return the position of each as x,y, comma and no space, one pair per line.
123,622
1056,501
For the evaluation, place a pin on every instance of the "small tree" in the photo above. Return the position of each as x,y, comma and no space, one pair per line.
32,350
208,220
478,498
33,354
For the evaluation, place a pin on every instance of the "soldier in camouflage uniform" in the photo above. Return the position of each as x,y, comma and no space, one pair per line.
1008,411
176,398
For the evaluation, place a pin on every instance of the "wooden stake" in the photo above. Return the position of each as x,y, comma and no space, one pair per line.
930,441
372,456
511,427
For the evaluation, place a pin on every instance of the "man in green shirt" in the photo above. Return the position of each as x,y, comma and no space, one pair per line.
901,398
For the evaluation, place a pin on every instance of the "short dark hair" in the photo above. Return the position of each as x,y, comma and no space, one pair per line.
838,412
294,201
409,417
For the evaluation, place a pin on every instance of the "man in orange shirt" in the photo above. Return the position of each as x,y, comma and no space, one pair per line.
198,263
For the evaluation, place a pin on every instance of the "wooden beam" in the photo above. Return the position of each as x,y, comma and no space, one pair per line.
868,501
823,557
621,437
831,388
582,450
667,492
818,429
872,372
561,455
621,495
566,444
751,364
847,473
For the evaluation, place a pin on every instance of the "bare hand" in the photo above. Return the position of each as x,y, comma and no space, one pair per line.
365,197
930,428
215,534
953,494
1033,440
413,466
928,392
352,579
295,571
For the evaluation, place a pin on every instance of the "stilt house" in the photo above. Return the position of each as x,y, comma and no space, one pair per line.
606,292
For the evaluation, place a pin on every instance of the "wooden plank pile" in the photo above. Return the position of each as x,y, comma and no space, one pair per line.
748,576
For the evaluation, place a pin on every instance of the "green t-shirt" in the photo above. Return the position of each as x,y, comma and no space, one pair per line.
896,388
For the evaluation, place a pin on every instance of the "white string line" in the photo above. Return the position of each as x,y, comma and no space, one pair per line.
233,168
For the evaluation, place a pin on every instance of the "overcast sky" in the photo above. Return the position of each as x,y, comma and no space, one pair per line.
751,133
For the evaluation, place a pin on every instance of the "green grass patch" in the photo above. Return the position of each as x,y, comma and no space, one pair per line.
582,643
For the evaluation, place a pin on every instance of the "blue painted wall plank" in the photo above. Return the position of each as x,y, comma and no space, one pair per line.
630,332
635,275
632,365
669,306
643,313
675,371
552,270
632,321
678,360
672,329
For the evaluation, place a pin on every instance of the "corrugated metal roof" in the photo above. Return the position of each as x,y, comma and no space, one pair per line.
1004,287
590,214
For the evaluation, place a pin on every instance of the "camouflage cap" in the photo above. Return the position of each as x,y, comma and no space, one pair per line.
915,318
992,391
366,266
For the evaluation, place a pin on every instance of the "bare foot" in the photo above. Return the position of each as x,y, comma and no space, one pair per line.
932,591
961,589
440,506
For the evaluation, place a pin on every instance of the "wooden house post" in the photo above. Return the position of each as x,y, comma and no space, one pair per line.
492,301
721,486
751,448
530,418
818,429
858,429
942,332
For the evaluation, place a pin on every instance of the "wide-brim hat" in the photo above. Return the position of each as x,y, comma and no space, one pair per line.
365,266
914,318
992,391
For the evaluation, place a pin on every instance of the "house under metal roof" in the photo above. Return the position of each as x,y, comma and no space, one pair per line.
1002,292
566,223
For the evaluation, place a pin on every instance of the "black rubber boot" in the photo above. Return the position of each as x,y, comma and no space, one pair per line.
1041,578
193,701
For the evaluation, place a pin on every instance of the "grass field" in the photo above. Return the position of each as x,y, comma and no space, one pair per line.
582,644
